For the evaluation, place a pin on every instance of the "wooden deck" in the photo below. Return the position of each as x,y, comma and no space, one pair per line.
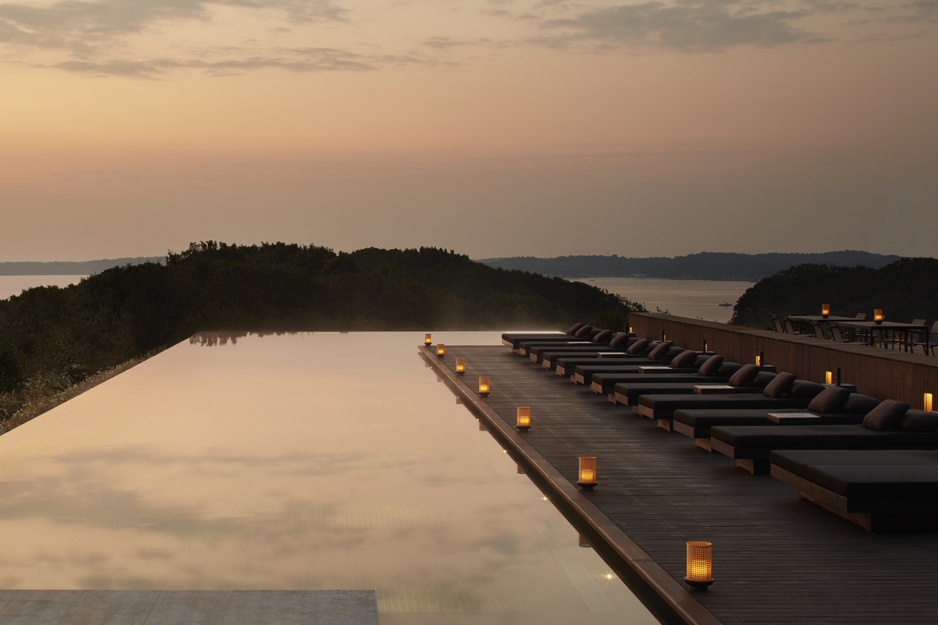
777,558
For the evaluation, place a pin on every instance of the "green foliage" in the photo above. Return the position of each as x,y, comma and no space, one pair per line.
903,289
54,334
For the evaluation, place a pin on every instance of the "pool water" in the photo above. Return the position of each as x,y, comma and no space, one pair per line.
294,462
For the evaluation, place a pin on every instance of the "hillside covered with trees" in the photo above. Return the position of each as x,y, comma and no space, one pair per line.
52,337
904,289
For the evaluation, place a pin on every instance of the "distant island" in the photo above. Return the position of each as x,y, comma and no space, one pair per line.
71,268
702,266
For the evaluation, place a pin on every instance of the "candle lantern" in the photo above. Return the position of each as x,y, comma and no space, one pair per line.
828,377
427,339
440,350
460,366
523,418
587,472
878,315
825,310
485,387
699,572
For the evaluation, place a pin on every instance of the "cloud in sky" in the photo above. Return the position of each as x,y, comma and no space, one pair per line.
118,38
689,26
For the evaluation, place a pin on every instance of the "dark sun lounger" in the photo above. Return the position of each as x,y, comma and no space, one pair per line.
879,490
888,426
823,410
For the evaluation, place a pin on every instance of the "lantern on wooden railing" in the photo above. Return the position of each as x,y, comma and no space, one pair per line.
485,387
440,350
586,474
699,572
427,339
878,315
460,366
825,310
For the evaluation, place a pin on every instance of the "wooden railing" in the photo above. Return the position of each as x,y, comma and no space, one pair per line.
881,373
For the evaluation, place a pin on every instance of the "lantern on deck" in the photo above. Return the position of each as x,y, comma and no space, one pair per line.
878,315
460,366
485,387
427,339
523,418
440,350
825,310
699,572
586,475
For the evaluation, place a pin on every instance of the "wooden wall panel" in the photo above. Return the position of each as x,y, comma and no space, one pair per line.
882,373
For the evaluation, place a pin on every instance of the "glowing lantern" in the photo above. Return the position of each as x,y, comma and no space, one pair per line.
878,315
587,472
427,340
828,377
699,573
460,366
927,402
485,387
440,350
825,310
523,418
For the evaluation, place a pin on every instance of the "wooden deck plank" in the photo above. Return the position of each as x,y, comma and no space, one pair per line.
777,559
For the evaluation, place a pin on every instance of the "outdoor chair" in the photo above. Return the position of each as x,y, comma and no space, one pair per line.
928,341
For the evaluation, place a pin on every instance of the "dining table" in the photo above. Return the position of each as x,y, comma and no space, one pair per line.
885,331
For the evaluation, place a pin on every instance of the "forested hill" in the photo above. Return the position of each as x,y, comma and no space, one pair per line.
702,266
903,289
123,312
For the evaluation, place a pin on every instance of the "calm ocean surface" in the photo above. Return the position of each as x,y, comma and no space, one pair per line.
14,285
697,299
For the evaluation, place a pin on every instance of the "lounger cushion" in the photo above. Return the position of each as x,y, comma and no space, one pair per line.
806,389
887,415
584,331
780,385
619,340
745,375
638,347
576,326
920,421
729,368
860,404
763,378
711,366
660,350
685,359
831,399
603,336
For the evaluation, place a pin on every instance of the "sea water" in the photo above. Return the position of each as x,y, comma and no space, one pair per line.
711,300
14,285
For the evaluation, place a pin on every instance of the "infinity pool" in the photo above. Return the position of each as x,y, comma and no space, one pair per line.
294,462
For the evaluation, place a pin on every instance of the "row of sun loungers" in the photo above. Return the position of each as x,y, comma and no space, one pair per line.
873,462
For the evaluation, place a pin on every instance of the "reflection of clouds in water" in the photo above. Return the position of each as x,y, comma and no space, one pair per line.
386,488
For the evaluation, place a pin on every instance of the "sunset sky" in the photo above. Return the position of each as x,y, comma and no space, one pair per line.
492,127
